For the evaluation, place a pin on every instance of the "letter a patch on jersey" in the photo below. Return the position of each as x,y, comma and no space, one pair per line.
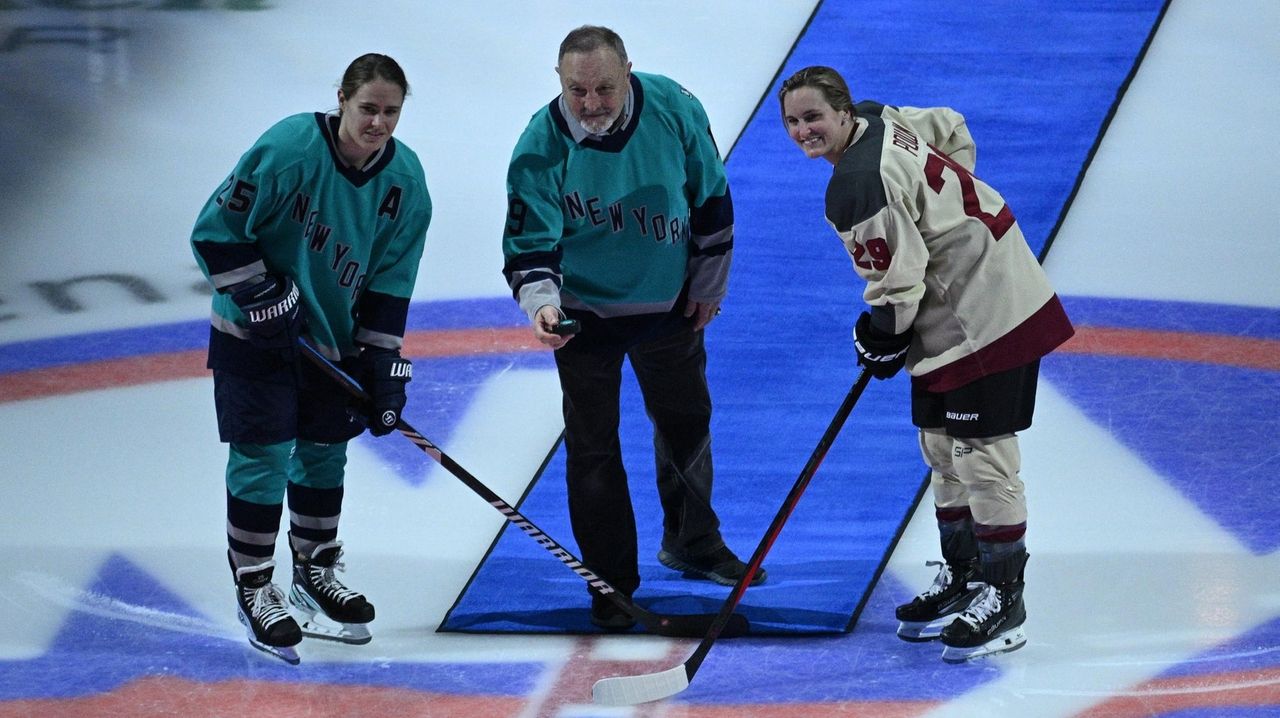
391,203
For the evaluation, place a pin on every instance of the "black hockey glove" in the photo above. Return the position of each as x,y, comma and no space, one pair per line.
384,373
883,354
274,313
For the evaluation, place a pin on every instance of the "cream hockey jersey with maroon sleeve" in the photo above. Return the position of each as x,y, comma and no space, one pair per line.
940,249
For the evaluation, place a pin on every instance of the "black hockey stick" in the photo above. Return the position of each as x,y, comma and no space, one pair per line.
680,626
630,690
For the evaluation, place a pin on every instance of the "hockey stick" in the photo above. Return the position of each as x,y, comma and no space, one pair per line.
630,690
678,626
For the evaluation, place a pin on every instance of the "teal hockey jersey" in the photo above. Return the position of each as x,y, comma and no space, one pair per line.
618,224
350,238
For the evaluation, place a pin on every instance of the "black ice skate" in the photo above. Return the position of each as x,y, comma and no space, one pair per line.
953,589
331,610
262,611
991,624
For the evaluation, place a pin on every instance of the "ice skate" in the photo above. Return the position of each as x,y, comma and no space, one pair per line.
330,610
953,589
991,624
262,611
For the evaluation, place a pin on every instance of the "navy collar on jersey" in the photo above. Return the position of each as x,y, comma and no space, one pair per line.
615,140
329,129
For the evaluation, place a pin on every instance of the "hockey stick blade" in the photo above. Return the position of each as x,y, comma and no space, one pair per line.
674,626
630,690
633,690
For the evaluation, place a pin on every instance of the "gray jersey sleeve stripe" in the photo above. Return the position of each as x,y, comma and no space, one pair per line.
235,276
710,244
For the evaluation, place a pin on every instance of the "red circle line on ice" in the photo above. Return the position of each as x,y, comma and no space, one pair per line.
1224,350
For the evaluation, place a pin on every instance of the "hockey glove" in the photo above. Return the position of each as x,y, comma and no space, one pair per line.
273,312
384,373
883,354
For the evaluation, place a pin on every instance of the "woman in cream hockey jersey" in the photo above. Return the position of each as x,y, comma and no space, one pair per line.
958,298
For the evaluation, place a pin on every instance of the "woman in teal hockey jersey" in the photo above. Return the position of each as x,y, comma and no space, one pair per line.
317,232
620,219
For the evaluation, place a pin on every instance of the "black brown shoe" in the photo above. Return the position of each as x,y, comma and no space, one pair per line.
720,565
607,615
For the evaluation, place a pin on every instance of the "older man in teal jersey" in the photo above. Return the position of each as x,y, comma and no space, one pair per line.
620,224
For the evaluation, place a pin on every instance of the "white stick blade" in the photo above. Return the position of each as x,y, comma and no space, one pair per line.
631,690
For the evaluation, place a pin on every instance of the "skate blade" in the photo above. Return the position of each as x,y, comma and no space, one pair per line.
315,624
922,632
288,654
1005,643
319,626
